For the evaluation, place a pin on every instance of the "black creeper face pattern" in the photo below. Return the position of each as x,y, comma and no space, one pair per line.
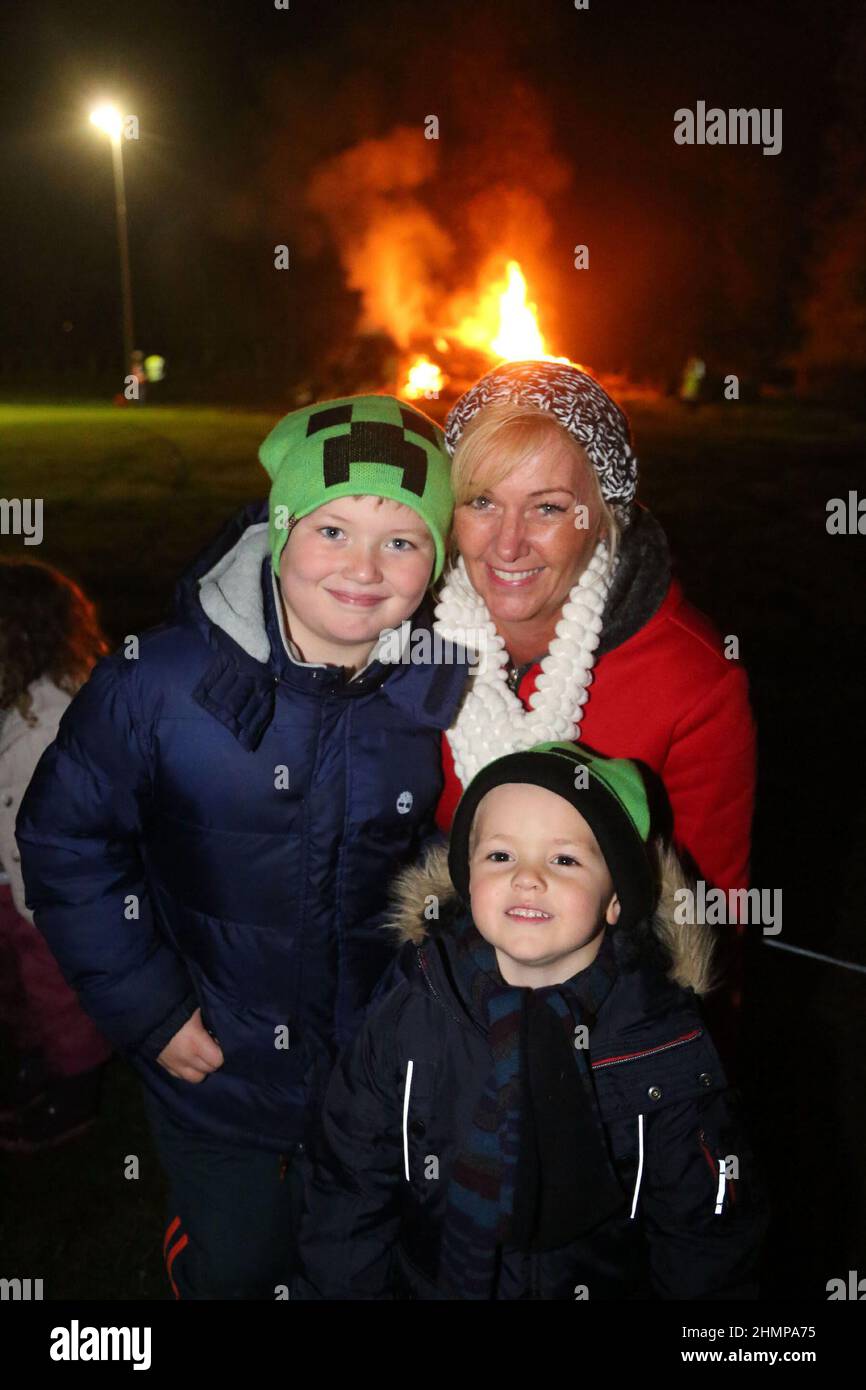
373,441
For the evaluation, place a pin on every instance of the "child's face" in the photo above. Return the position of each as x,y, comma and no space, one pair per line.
540,889
350,569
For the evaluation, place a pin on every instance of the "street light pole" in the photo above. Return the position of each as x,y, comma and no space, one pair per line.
107,119
123,250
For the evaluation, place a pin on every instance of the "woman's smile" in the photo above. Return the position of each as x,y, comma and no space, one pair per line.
513,579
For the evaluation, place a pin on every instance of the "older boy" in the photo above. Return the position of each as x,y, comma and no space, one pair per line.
207,844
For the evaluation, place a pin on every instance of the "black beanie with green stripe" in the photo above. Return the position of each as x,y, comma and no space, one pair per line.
610,794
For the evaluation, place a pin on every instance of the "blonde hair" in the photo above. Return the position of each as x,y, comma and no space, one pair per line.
502,437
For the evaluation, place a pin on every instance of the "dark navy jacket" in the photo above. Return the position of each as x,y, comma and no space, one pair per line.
402,1100
216,824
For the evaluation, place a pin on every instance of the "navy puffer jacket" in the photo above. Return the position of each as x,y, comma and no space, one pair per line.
217,824
403,1097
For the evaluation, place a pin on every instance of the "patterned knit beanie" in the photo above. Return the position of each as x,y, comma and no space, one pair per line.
579,403
374,446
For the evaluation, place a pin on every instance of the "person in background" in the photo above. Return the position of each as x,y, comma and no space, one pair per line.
138,371
154,367
692,384
49,641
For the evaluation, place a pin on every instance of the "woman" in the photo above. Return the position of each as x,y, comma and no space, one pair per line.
585,633
49,641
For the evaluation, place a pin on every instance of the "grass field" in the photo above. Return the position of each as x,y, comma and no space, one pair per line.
129,498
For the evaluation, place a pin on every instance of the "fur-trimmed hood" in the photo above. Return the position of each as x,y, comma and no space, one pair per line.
691,948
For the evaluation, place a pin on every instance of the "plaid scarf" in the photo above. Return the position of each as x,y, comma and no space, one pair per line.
484,1184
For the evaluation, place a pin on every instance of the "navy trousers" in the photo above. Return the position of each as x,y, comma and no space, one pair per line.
233,1213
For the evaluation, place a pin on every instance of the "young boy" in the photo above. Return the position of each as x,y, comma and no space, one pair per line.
208,843
535,1109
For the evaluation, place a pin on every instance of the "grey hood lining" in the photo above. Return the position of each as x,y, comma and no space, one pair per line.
231,593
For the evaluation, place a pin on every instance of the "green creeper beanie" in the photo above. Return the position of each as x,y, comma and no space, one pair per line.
374,446
611,796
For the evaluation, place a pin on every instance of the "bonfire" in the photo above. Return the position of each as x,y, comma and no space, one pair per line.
502,327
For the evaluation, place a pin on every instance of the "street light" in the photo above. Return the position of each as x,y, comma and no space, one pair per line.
108,119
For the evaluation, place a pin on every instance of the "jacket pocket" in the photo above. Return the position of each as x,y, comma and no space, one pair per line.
723,1171
260,1049
636,1080
735,1184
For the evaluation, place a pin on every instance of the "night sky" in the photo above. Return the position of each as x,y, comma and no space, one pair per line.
570,113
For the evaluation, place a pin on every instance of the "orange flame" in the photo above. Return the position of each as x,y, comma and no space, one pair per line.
504,325
424,378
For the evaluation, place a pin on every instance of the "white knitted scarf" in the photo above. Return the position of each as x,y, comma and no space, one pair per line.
491,720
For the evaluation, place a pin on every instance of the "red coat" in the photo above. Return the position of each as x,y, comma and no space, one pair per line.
669,696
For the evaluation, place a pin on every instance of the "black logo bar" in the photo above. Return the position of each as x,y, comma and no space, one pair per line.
370,441
323,419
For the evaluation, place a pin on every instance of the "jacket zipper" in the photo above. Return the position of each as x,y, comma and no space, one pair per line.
648,1051
702,1139
438,997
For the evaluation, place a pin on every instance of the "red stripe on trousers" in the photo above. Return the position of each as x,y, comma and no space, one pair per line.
169,1233
175,1251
